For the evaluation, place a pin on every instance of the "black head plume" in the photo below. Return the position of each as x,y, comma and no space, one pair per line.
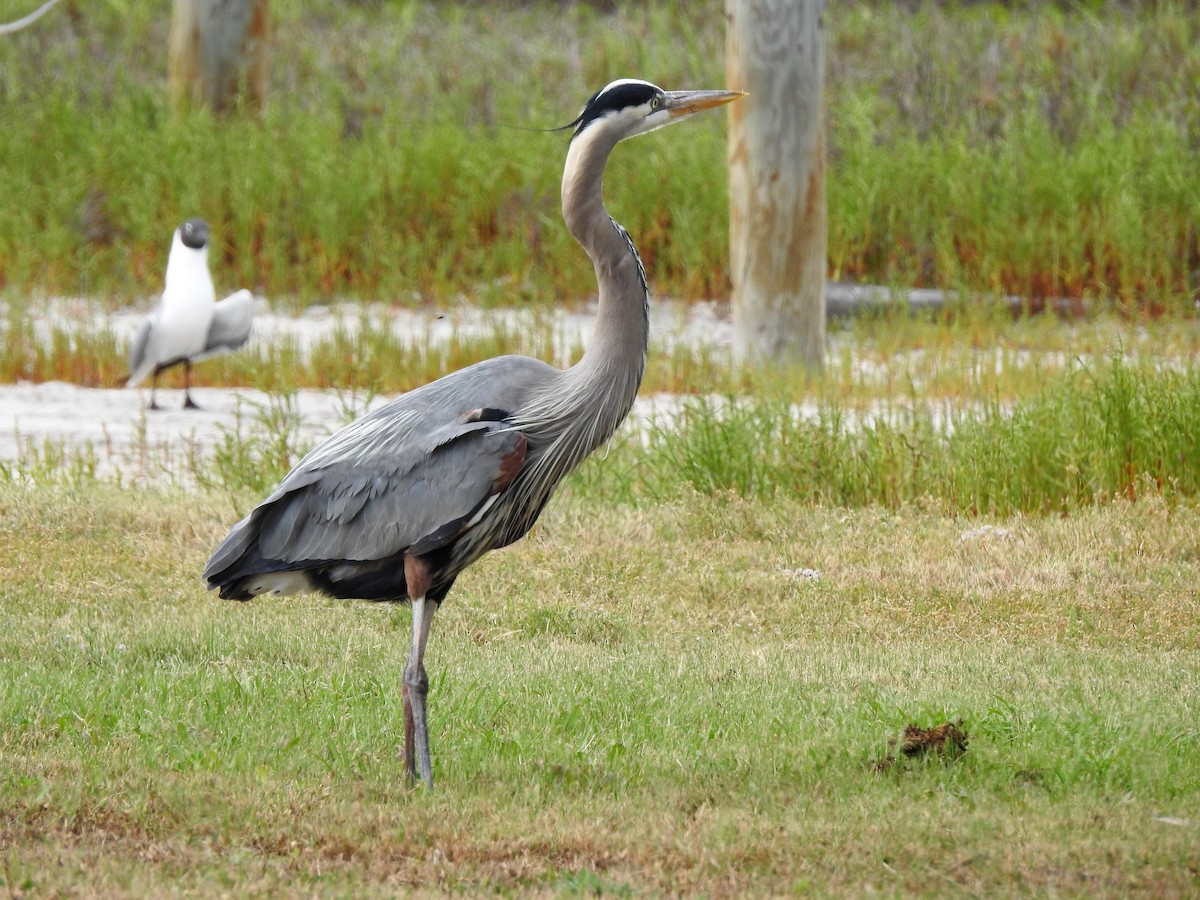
611,98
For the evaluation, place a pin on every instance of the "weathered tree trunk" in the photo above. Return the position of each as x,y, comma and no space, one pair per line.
774,50
217,47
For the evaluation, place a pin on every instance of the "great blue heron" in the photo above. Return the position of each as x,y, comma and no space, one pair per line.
188,324
396,504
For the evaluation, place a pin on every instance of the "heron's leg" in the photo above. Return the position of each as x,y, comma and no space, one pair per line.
188,402
414,690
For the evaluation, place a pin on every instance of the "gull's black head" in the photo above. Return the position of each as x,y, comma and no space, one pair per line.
194,234
628,107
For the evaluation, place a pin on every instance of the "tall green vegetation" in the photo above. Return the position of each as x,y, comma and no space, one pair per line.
1031,150
1114,429
1024,149
1110,431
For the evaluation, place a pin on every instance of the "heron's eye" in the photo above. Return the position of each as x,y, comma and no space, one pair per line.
655,102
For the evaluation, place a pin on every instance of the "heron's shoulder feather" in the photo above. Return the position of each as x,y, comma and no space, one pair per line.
416,422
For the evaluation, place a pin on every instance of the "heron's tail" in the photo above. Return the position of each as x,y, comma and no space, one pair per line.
226,568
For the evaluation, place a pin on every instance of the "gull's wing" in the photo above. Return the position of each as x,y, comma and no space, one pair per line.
141,356
230,329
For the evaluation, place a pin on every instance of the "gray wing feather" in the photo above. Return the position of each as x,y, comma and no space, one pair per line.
141,361
230,328
341,513
411,471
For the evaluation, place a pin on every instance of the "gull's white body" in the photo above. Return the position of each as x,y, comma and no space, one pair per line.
177,328
188,324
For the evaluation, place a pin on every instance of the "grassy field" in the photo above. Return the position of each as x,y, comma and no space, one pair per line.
634,700
694,676
1033,149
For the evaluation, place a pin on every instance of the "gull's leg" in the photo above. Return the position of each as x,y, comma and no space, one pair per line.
188,402
153,391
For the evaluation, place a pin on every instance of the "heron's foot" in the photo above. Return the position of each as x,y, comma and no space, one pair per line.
188,402
153,404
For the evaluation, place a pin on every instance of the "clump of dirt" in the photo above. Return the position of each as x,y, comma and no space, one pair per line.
947,741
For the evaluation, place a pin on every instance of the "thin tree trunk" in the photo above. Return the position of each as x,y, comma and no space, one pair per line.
774,50
216,48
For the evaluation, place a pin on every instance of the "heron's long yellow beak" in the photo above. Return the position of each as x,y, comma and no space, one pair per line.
684,103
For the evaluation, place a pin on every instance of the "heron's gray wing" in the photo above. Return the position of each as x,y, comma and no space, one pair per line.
141,359
412,473
375,505
230,328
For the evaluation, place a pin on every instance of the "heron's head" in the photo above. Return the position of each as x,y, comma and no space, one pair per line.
194,234
628,107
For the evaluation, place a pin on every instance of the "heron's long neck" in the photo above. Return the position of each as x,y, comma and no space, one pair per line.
580,409
610,372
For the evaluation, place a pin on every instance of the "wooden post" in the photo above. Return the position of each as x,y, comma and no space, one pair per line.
217,46
774,49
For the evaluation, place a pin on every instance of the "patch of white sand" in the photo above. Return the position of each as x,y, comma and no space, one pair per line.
113,428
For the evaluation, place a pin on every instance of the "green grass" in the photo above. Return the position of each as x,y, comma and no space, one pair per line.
940,423
1025,149
653,705
1017,148
649,695
965,354
1105,430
